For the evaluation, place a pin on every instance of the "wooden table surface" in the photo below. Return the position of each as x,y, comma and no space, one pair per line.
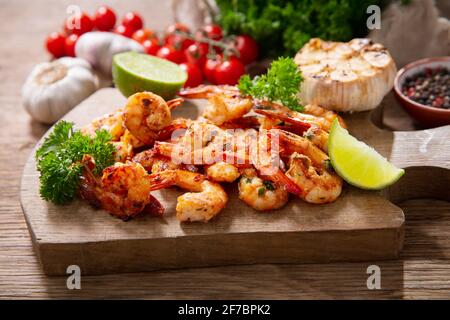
422,272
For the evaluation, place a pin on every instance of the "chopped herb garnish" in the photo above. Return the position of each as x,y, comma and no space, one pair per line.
261,191
328,165
269,185
309,135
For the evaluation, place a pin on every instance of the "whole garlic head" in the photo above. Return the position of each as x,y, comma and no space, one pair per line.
345,76
98,48
54,88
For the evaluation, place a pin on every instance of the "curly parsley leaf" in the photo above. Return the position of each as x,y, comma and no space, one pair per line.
280,84
59,160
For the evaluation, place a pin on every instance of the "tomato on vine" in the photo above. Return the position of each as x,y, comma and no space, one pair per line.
69,45
196,54
133,21
55,44
142,35
171,54
79,24
247,48
124,31
229,71
104,18
209,68
195,77
151,46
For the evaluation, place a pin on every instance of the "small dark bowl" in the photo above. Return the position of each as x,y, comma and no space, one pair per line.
426,115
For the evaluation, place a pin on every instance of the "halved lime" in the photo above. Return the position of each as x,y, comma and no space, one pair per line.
359,164
136,72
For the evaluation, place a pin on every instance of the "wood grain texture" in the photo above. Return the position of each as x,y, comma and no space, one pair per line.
359,226
423,271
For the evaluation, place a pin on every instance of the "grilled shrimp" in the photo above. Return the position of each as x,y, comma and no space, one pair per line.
123,189
318,185
319,117
112,122
291,143
146,114
205,91
261,194
224,102
205,199
222,172
153,162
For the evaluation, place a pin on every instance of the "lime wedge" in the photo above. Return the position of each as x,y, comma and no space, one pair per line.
359,164
136,72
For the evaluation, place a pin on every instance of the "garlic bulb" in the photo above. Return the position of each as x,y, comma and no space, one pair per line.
98,48
352,76
54,88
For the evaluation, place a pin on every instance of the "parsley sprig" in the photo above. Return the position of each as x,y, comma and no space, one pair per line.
59,160
280,84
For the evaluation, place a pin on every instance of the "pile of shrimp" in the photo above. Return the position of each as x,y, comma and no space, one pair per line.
224,145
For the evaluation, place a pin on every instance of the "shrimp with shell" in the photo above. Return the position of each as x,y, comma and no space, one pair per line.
146,114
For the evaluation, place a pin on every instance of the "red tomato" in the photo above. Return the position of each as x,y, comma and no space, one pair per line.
229,71
133,21
69,46
105,18
196,54
177,27
55,44
212,31
209,69
171,54
247,48
79,24
178,41
142,35
124,31
151,46
195,77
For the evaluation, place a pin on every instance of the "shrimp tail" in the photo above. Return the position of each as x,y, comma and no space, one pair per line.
283,181
175,103
154,207
162,180
286,117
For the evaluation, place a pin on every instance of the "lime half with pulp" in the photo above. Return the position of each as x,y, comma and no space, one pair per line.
136,72
359,164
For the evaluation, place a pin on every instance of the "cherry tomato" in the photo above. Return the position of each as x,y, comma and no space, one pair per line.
229,71
124,31
212,31
105,18
69,46
178,41
171,54
142,35
55,44
195,77
151,46
196,54
79,24
133,21
247,48
177,27
209,68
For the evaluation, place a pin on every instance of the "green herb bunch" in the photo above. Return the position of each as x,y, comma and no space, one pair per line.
282,27
280,84
59,160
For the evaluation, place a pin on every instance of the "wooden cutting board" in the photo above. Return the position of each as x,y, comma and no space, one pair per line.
360,225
